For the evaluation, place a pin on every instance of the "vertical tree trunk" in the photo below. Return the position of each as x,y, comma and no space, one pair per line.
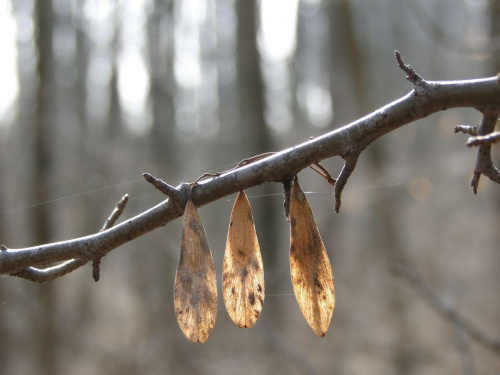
161,53
41,183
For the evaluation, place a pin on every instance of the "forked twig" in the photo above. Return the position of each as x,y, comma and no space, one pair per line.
41,275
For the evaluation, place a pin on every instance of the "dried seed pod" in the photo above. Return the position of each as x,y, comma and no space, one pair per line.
243,274
310,267
195,294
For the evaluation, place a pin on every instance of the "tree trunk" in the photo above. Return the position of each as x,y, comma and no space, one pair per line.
161,53
41,183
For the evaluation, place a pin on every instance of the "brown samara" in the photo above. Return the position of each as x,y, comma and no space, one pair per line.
195,294
312,277
243,273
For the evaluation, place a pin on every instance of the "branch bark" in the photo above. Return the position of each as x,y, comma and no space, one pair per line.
52,273
426,98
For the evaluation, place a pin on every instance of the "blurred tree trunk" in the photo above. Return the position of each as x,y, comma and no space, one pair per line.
161,26
384,239
84,148
255,134
85,160
114,124
347,72
41,183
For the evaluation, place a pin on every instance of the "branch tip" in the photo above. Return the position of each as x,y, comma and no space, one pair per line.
466,129
483,140
319,169
412,75
115,215
349,166
96,270
163,187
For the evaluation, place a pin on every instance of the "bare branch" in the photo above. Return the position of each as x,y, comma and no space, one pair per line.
432,97
412,75
52,273
117,212
466,129
484,140
162,186
350,163
319,169
484,164
416,282
115,215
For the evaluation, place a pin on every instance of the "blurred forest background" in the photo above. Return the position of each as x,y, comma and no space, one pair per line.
95,92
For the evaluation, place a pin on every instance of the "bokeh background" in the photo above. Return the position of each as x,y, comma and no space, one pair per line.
95,92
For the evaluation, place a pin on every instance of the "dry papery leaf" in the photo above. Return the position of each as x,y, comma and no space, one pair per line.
195,294
312,277
243,273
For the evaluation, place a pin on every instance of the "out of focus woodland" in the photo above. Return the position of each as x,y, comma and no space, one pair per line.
95,92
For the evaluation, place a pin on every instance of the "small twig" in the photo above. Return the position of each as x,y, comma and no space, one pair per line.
242,163
163,187
115,215
446,311
412,75
316,167
253,159
484,164
349,166
319,169
51,273
466,129
484,140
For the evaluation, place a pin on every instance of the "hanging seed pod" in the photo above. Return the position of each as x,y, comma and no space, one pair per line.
243,274
310,267
195,294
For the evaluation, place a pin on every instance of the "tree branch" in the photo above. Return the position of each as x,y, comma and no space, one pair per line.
484,164
427,97
447,311
484,140
52,273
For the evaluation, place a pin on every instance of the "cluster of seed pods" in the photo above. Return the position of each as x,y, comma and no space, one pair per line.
195,294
